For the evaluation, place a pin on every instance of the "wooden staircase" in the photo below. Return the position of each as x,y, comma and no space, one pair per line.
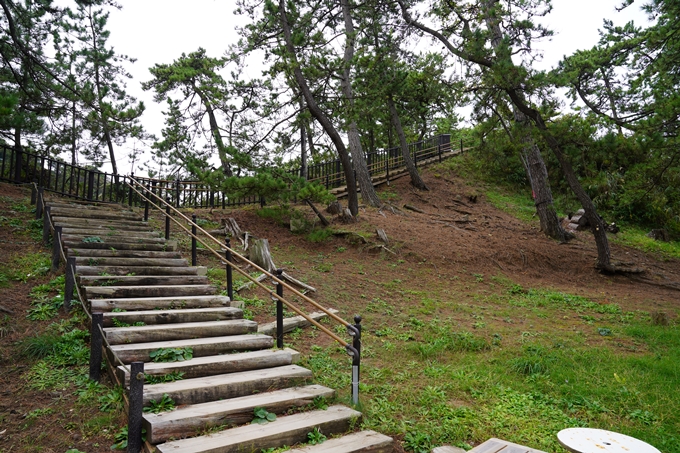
150,299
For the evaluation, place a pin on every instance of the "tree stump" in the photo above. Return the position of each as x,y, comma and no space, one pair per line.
334,208
382,235
259,253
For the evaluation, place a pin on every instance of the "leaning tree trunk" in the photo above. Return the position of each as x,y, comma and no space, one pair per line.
315,110
368,193
416,180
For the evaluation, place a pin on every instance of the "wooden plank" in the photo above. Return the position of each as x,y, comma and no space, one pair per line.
174,316
161,247
494,445
447,449
106,261
224,386
142,280
108,253
201,346
290,324
151,303
59,211
214,365
184,331
113,292
287,430
186,421
360,442
136,270
131,238
67,222
107,232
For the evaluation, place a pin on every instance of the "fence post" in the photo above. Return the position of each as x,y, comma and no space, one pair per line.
39,202
230,283
167,218
56,248
130,190
439,148
193,240
96,341
46,225
279,310
136,407
70,282
177,193
34,192
146,203
461,145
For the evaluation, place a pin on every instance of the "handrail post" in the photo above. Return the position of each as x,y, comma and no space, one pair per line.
136,407
279,310
193,240
96,341
39,202
146,203
70,282
167,218
130,190
177,193
230,283
46,225
56,248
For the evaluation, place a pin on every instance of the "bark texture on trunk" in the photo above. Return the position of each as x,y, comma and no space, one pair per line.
215,131
368,193
315,110
416,180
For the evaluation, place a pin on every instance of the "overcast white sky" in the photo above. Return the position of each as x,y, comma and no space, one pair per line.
158,31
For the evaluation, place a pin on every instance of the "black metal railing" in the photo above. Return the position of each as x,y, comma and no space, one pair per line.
93,185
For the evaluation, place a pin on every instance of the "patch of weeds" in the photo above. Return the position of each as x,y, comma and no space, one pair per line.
324,267
418,442
37,413
320,235
535,360
171,354
92,239
121,438
261,416
280,214
163,378
163,405
315,437
112,400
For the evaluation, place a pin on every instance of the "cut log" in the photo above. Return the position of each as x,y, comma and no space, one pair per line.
94,214
290,324
321,217
136,270
201,346
183,331
223,386
114,261
187,420
108,253
152,303
116,292
142,280
259,253
288,430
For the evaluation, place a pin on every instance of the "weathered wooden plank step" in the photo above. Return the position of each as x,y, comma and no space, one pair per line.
74,204
106,232
59,211
288,430
201,347
151,303
218,364
360,442
142,280
181,331
70,222
136,270
167,247
232,385
108,253
188,420
132,238
115,292
173,316
115,261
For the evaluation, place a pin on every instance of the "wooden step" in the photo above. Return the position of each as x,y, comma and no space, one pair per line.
92,214
108,253
186,421
68,222
142,280
73,204
174,316
360,442
224,386
115,292
288,430
132,238
152,303
218,364
106,232
161,247
113,261
182,331
201,347
135,270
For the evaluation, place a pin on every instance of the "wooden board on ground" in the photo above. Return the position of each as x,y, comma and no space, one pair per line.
494,445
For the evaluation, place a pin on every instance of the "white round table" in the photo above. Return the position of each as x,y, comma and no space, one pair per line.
590,440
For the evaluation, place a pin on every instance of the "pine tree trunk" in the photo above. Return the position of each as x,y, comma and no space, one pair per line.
416,180
368,193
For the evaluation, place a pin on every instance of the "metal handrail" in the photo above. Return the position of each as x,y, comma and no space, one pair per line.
352,330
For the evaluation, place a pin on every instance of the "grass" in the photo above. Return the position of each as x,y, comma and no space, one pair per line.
636,237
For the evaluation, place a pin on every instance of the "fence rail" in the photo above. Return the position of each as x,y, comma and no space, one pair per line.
96,186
